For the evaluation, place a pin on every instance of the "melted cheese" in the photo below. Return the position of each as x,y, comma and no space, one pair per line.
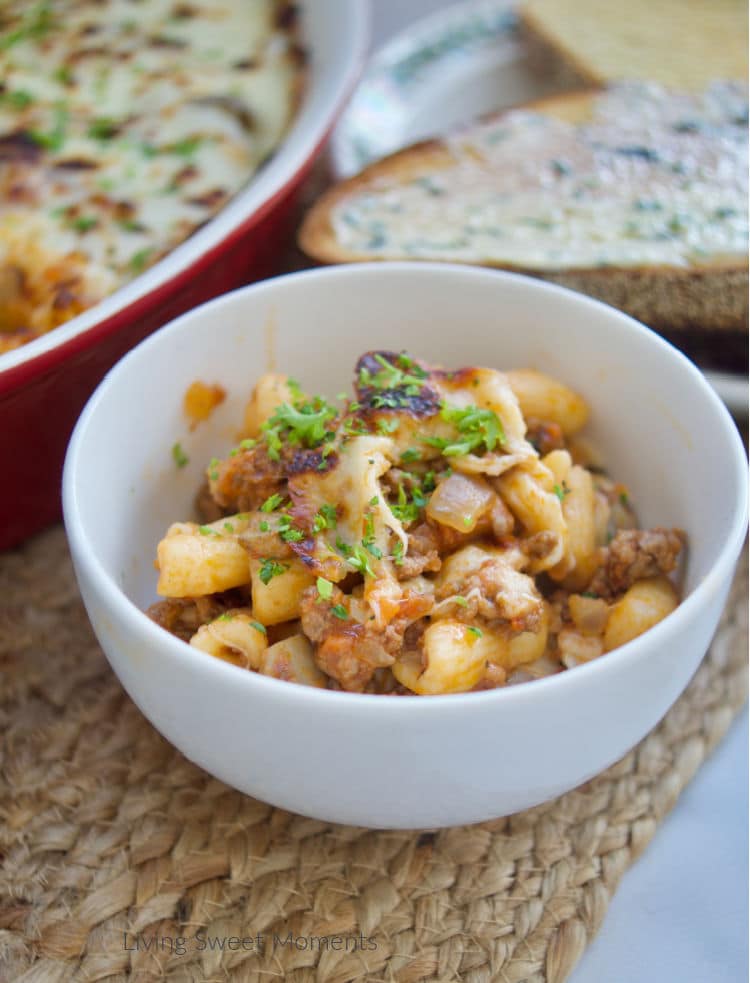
653,178
124,126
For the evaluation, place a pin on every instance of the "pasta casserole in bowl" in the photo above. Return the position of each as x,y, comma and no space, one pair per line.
404,540
513,491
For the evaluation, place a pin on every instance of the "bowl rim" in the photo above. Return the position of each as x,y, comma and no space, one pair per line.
140,625
413,37
248,207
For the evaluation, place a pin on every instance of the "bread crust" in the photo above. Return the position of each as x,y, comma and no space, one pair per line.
711,297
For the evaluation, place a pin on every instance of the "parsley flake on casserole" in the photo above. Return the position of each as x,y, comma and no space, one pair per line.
124,126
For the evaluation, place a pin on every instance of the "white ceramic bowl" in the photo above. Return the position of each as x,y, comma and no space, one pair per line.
409,761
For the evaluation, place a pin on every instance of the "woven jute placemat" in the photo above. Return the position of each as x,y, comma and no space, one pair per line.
123,861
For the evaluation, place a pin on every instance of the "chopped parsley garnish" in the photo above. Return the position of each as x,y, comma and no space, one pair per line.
590,594
477,632
207,531
36,24
404,374
461,601
259,627
186,147
130,225
325,518
418,498
325,588
264,526
272,503
139,261
386,426
18,99
479,431
353,427
389,400
372,549
213,465
407,509
340,612
624,499
228,527
561,491
288,532
63,74
398,553
179,456
269,569
410,454
328,449
103,128
357,557
55,139
84,223
227,616
305,424
561,167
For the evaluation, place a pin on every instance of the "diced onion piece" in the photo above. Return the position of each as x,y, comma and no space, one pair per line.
234,637
292,660
576,648
501,519
589,614
460,501
407,669
418,585
544,666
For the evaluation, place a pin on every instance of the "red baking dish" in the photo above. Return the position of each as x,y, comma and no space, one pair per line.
44,385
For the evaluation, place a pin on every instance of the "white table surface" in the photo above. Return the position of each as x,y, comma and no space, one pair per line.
680,914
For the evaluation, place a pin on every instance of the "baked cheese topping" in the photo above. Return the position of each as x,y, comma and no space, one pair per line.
124,126
653,177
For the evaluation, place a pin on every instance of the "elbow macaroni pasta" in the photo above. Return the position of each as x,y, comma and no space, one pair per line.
328,567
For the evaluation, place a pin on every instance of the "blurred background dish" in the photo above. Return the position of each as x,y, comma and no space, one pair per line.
479,56
45,383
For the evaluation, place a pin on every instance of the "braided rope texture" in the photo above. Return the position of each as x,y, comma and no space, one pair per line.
123,861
